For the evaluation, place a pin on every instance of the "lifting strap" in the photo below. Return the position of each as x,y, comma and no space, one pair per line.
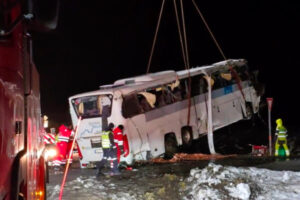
234,73
187,64
155,36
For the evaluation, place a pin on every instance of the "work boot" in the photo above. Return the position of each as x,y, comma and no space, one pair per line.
99,173
287,153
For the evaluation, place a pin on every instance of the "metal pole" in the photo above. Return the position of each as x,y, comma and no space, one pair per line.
270,134
68,161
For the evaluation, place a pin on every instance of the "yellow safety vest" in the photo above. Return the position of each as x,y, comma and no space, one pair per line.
105,140
281,133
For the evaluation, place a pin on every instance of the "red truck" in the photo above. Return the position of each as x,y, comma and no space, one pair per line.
23,172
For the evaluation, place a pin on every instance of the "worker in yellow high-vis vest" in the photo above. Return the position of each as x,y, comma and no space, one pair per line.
281,133
109,152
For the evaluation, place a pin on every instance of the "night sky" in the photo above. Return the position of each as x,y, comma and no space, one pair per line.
98,43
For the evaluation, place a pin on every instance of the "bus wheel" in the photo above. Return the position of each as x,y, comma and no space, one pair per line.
171,145
187,137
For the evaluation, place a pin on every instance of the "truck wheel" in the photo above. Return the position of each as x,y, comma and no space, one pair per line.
171,145
187,137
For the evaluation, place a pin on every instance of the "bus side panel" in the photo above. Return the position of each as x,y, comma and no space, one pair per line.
137,136
164,120
89,131
201,109
227,107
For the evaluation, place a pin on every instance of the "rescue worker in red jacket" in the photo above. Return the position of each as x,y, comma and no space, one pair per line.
118,139
70,143
109,152
121,143
62,144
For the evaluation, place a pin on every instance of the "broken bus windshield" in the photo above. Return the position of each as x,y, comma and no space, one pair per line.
93,106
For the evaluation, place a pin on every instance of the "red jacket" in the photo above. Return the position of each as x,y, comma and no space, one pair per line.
64,134
118,139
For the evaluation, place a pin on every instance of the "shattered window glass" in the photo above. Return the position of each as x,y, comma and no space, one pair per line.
131,106
93,106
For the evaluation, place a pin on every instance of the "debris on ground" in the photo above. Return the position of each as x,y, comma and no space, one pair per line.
191,157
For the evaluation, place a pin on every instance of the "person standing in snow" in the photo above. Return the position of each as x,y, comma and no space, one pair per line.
281,138
62,145
109,152
118,139
70,143
120,142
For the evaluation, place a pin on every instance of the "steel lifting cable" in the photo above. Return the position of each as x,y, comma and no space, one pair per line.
187,63
209,30
155,36
179,32
236,76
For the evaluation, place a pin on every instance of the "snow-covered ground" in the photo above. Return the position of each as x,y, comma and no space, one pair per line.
219,182
212,182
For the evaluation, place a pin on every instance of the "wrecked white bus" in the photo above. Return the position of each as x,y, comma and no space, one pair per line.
158,112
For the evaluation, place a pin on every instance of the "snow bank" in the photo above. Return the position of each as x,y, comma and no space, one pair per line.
219,182
90,188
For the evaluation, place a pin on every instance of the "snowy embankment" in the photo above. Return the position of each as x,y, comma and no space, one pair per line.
219,182
89,188
210,183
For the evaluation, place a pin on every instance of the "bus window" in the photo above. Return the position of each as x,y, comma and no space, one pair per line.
177,94
242,72
160,102
199,85
90,106
196,85
227,78
203,85
131,106
168,95
143,102
175,91
218,80
184,87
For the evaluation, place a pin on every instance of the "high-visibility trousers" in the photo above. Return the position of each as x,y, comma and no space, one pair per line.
282,142
62,153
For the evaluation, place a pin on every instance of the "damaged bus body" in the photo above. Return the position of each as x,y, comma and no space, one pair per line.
158,112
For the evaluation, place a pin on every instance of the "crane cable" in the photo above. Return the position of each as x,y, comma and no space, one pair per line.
155,36
179,32
187,63
234,73
209,30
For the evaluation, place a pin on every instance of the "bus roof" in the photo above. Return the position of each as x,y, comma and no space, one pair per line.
219,66
139,83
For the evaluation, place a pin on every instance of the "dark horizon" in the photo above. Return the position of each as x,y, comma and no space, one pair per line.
96,44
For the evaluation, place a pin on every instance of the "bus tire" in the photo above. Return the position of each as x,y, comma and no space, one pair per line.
171,145
187,137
